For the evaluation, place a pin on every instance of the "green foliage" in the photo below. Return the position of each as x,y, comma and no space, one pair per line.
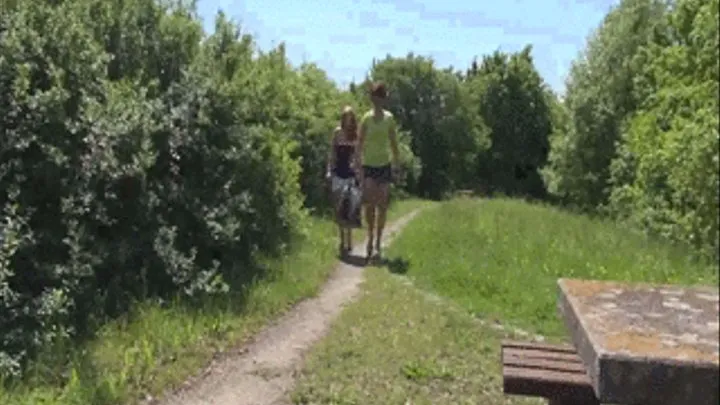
638,137
514,103
141,157
313,113
484,129
501,258
665,177
138,158
599,97
435,108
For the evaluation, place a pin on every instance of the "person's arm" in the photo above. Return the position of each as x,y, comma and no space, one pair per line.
360,148
394,145
331,155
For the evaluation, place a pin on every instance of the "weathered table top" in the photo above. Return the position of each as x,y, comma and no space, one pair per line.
645,344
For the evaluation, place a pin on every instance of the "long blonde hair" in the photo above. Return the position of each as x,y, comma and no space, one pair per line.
348,123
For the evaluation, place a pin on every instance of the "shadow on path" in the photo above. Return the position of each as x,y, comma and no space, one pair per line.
354,260
395,265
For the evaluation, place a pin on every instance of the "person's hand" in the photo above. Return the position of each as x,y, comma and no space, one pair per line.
395,173
328,180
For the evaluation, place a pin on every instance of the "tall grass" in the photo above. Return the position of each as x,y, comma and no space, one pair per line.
501,258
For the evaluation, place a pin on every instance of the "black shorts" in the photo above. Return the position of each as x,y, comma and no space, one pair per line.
381,174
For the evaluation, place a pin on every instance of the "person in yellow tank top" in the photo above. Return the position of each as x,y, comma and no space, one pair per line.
378,156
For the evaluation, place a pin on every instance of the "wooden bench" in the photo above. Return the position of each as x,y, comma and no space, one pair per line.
554,372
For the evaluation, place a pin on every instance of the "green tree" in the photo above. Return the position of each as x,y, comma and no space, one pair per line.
665,177
515,105
434,107
138,158
599,98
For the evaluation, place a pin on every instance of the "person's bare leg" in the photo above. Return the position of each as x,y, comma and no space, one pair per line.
341,229
348,239
370,218
370,200
381,215
341,248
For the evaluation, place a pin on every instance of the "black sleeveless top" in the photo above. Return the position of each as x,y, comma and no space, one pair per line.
343,159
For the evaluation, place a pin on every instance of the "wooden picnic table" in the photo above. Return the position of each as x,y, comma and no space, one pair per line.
645,344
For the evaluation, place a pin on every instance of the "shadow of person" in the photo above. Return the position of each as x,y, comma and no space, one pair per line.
395,265
354,260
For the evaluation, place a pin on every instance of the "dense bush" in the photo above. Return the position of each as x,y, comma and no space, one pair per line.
639,138
599,97
137,158
434,107
665,177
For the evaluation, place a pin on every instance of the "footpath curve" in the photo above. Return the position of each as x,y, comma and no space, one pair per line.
263,372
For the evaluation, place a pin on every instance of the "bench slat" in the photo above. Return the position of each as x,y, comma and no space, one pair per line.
549,371
546,347
538,377
533,354
544,364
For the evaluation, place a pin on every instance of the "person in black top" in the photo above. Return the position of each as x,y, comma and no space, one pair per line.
342,176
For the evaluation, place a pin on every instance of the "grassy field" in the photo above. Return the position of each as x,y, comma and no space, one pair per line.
158,346
427,335
500,259
397,345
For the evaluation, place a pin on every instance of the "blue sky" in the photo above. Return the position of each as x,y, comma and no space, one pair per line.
342,36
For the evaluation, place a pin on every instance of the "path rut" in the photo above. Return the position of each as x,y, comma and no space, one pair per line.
263,373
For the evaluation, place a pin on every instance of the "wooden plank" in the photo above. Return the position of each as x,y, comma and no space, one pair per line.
556,386
544,364
548,371
534,354
563,348
540,377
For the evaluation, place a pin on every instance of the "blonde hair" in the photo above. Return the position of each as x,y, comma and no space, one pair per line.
348,114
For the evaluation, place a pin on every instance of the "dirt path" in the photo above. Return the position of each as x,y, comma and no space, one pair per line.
263,373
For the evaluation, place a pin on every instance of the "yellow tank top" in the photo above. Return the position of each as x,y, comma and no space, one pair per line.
376,146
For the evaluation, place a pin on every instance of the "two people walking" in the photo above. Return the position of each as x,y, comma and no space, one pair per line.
363,158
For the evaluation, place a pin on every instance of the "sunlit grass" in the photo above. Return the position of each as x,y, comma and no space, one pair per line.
158,346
